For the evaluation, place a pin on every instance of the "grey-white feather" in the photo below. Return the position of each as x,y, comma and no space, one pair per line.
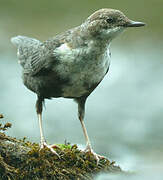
32,54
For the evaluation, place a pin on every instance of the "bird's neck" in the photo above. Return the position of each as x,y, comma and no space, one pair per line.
94,39
81,38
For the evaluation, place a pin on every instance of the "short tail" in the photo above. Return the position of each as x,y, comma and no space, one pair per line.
24,41
26,47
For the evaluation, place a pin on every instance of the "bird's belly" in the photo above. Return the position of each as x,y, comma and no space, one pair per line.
72,83
46,86
73,77
84,81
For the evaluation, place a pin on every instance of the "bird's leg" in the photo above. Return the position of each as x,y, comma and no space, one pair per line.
39,105
88,144
81,112
41,130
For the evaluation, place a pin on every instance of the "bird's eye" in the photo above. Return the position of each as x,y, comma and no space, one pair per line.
110,20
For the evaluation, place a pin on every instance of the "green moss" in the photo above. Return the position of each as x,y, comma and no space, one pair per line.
64,146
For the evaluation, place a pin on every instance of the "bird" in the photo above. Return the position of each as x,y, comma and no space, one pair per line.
71,64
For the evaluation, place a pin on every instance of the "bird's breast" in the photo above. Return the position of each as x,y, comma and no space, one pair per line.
84,69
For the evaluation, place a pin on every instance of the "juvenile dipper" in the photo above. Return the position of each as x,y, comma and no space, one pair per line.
72,64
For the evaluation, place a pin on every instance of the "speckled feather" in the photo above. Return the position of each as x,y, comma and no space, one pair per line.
71,64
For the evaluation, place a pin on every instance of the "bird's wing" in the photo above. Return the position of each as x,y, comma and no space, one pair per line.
32,54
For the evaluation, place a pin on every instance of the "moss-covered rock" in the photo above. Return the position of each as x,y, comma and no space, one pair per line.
21,159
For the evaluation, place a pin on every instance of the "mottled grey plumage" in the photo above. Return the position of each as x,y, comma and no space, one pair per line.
72,64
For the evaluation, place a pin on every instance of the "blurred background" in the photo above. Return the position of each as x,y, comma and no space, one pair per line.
124,115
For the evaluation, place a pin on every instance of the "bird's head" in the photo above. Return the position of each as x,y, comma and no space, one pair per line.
108,23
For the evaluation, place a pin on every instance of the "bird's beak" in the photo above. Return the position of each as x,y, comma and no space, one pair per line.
134,24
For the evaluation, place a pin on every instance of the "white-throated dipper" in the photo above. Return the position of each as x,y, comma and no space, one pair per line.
72,64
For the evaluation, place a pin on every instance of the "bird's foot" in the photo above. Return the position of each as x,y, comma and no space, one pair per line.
50,147
96,156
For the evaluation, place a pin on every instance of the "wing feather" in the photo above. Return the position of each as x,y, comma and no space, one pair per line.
32,54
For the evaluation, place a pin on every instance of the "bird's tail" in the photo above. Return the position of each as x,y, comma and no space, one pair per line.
24,41
25,47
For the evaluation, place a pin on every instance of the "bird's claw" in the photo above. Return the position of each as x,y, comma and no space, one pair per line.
96,156
50,147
